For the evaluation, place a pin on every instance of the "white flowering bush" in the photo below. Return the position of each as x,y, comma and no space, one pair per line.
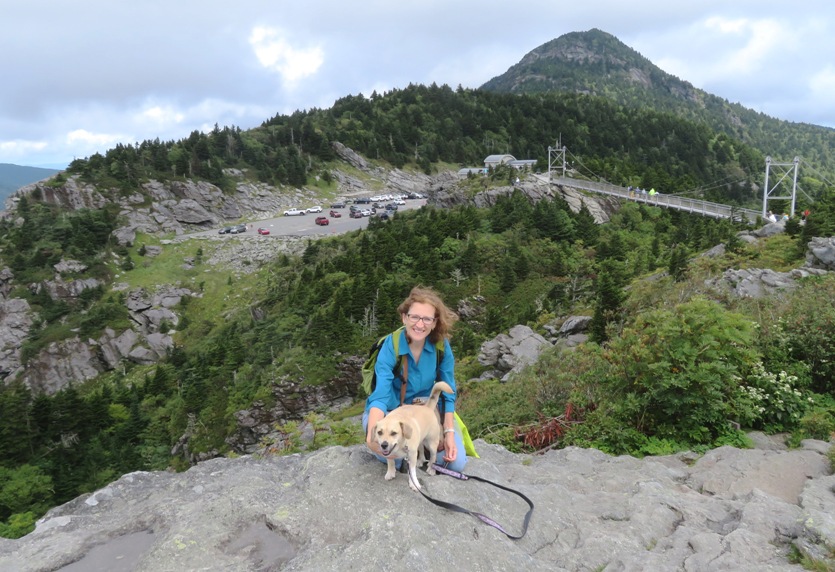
773,401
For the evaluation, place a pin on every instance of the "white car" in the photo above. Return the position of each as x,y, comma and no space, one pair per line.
316,209
294,212
365,212
400,202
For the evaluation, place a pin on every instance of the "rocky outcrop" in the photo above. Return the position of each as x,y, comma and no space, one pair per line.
757,283
601,208
15,323
509,353
571,333
76,359
731,509
292,401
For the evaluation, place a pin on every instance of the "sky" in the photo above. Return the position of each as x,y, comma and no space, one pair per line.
77,78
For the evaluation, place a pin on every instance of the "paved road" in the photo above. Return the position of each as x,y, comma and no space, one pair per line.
305,225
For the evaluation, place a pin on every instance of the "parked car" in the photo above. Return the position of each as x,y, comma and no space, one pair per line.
338,206
225,230
400,202
366,212
316,209
264,231
335,214
294,212
384,215
322,221
362,201
355,214
391,207
238,229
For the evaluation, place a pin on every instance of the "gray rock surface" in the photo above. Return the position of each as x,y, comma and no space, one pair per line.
332,510
510,353
820,253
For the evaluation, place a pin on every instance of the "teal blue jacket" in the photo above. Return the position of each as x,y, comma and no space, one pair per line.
386,395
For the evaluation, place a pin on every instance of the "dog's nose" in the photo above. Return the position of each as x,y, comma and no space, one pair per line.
384,445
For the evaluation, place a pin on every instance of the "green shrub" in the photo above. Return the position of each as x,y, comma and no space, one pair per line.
818,424
676,372
809,324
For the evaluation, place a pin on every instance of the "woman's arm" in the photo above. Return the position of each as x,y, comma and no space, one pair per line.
450,450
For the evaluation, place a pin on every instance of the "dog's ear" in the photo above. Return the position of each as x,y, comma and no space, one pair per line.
406,429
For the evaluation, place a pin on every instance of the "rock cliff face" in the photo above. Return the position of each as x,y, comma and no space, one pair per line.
601,208
158,207
731,509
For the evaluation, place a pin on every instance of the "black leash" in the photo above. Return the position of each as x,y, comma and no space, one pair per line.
482,517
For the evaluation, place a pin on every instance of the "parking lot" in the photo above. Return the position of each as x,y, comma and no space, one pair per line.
305,225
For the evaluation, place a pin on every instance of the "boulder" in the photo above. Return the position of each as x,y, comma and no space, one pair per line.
820,253
511,352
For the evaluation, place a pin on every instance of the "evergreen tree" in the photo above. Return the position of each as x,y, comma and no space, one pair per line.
586,228
609,298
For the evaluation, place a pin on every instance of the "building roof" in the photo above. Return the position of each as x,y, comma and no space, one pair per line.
491,159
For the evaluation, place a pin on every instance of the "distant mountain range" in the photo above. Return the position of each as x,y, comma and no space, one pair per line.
12,177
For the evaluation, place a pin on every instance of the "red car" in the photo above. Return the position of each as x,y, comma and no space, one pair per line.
335,214
263,231
322,221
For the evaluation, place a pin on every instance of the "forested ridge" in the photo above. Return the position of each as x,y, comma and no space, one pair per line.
425,126
300,317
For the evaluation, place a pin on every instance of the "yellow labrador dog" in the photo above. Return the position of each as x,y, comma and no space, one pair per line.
403,434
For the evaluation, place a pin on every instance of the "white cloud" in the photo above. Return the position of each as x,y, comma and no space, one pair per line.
762,38
161,115
19,148
276,54
823,82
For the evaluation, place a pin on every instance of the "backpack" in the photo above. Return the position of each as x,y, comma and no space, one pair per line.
369,377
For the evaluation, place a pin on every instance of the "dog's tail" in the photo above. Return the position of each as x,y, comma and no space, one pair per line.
436,393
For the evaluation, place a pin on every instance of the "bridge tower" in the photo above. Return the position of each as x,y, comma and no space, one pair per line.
556,155
768,191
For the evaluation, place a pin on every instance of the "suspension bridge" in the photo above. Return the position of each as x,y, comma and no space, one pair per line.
706,208
557,162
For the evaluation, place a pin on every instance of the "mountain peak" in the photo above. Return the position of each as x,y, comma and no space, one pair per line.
593,62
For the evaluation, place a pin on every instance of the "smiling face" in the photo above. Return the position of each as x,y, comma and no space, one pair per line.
419,321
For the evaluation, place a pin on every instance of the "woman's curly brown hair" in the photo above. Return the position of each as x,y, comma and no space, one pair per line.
444,317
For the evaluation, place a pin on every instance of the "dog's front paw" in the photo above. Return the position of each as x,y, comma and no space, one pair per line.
430,470
390,475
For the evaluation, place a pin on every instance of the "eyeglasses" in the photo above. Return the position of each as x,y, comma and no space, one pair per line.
414,318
